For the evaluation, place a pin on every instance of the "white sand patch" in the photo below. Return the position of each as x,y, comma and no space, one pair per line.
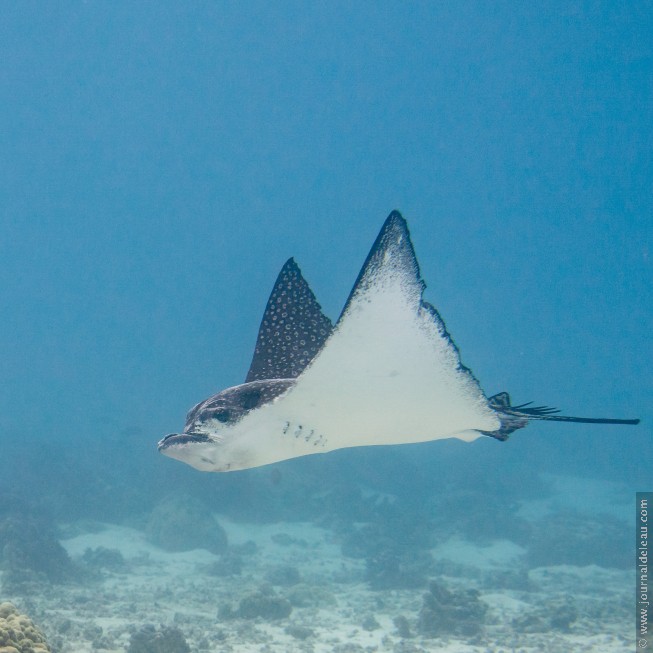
495,554
132,544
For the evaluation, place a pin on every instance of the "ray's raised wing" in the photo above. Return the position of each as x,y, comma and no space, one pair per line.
292,331
391,255
389,373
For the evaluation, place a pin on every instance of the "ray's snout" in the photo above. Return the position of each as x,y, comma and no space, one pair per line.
180,438
166,441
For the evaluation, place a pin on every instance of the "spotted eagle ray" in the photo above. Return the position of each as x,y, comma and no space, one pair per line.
386,373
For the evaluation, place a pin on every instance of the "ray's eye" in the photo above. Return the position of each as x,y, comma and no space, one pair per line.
222,415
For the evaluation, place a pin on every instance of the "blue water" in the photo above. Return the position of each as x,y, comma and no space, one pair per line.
160,162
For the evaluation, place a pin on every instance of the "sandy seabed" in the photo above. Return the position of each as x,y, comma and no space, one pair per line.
341,613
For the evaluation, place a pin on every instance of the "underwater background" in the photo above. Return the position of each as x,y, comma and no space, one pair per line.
158,164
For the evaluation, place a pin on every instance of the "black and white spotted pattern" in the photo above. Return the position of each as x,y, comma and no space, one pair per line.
292,331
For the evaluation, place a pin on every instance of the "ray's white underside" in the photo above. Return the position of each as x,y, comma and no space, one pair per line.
387,375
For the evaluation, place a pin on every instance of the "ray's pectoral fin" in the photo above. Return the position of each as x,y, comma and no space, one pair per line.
389,373
516,417
292,331
391,260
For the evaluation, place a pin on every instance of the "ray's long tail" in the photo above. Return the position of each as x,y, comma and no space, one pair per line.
516,417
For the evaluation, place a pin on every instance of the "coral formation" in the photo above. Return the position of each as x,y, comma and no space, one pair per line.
18,634
393,530
304,596
407,569
182,523
104,558
516,578
167,639
299,632
264,603
30,551
370,623
472,514
229,564
394,544
450,612
561,539
402,626
247,548
283,539
285,575
556,616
